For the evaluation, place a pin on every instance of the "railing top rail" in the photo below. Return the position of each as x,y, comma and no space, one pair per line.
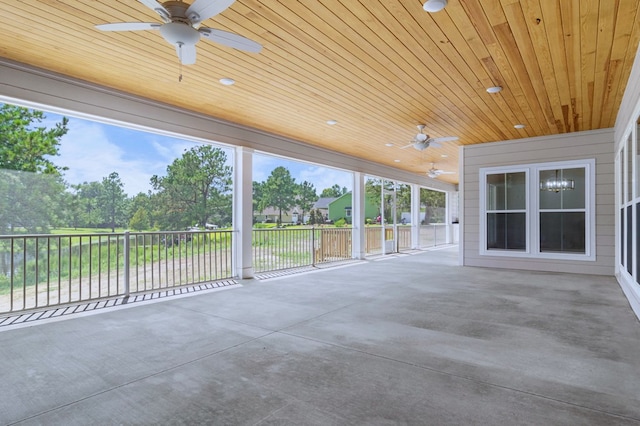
112,234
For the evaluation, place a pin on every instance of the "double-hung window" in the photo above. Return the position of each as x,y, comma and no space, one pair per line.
539,210
506,215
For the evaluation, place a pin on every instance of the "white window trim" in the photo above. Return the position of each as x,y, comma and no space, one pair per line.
532,247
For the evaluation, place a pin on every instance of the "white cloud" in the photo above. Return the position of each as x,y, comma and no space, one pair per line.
171,151
323,177
90,156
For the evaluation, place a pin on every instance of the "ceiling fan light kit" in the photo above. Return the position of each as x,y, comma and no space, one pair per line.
433,6
178,33
422,141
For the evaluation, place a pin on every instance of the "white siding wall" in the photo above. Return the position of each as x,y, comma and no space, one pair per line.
626,118
596,145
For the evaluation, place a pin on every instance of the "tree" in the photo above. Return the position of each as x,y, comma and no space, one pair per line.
335,191
29,201
279,191
434,203
25,147
89,212
112,201
196,189
306,196
258,190
144,202
31,186
140,220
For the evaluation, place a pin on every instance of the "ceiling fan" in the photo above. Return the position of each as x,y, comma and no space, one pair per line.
181,26
434,173
422,141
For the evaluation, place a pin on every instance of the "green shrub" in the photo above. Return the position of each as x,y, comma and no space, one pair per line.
340,223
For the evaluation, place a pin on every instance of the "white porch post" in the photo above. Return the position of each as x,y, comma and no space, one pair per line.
415,216
447,218
357,217
243,212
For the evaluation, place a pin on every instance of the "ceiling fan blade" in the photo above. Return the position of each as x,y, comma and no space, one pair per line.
442,172
156,7
201,10
446,139
434,144
230,39
407,146
186,53
129,26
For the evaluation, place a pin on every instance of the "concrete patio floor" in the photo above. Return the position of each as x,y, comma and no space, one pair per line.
410,339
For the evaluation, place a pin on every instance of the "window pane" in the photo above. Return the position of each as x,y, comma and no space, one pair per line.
629,149
621,162
549,199
622,237
516,191
629,233
637,161
562,232
574,198
563,198
637,241
506,231
506,191
495,192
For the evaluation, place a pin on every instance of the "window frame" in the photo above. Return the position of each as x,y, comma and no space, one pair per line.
532,209
483,198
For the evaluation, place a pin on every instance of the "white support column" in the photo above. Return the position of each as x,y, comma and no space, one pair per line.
415,216
447,218
243,212
357,217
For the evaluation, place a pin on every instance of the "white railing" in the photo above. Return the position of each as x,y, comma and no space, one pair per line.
38,271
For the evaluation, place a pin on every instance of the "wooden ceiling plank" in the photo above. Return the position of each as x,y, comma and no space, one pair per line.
452,69
450,73
588,41
603,65
514,39
289,20
506,99
504,53
531,16
625,39
385,59
552,24
570,13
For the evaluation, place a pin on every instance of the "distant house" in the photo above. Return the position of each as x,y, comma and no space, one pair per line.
341,208
270,215
323,205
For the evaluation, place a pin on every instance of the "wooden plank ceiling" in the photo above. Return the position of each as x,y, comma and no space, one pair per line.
378,67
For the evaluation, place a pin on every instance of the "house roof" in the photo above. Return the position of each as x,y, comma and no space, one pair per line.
323,202
378,67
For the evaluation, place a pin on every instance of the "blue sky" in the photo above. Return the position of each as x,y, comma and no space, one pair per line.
92,150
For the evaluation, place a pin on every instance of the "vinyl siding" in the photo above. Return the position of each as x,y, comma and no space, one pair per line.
598,145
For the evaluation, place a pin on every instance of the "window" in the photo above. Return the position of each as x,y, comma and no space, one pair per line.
506,211
562,210
539,210
347,212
